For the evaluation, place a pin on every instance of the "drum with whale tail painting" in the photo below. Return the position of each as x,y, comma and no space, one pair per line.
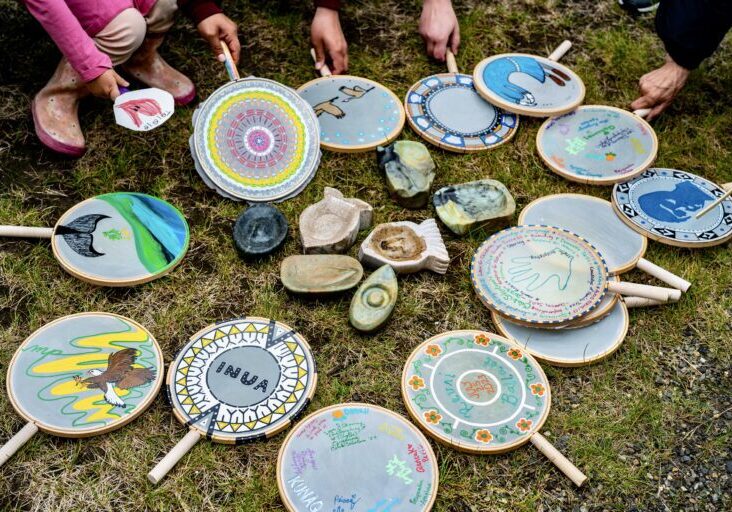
120,239
115,239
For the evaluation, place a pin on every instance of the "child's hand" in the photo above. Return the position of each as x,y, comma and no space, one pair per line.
107,85
439,28
328,40
217,28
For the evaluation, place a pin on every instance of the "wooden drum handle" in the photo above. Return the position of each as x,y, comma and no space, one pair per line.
561,50
229,63
26,232
451,62
324,69
641,302
173,456
663,275
559,460
14,443
643,290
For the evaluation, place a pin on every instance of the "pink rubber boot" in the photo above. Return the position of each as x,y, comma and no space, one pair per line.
56,111
147,66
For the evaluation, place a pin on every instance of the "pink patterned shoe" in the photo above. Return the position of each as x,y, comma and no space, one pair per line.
147,66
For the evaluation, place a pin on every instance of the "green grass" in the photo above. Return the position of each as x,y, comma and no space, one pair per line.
614,419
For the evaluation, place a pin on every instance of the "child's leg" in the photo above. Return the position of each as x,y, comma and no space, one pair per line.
122,36
147,66
55,107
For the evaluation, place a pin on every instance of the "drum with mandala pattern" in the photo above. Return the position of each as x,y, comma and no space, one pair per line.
257,140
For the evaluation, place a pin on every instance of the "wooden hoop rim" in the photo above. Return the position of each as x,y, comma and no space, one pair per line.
600,312
141,407
447,147
498,321
360,148
620,270
407,424
448,441
598,181
117,282
268,433
517,109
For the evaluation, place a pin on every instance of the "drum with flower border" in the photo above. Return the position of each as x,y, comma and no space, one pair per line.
480,393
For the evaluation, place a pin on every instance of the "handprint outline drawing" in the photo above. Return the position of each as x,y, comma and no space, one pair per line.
554,265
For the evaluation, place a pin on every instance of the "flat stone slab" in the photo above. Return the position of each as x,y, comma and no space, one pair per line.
332,224
374,300
409,171
466,205
406,246
320,273
259,231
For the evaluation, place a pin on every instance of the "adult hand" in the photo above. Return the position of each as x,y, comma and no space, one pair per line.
107,85
659,88
217,28
328,41
439,28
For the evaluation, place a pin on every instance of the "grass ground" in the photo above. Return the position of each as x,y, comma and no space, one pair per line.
650,426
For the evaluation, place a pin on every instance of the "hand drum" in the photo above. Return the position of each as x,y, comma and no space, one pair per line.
480,393
256,140
116,239
528,84
82,375
570,347
238,381
355,114
594,220
597,145
545,276
356,457
663,204
447,111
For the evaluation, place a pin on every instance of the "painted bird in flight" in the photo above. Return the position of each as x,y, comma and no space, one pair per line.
328,107
354,92
119,373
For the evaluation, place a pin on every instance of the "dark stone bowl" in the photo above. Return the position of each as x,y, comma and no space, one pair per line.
259,231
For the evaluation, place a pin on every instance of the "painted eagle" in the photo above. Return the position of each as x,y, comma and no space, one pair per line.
119,373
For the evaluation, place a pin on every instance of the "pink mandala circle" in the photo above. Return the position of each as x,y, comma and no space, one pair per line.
259,140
